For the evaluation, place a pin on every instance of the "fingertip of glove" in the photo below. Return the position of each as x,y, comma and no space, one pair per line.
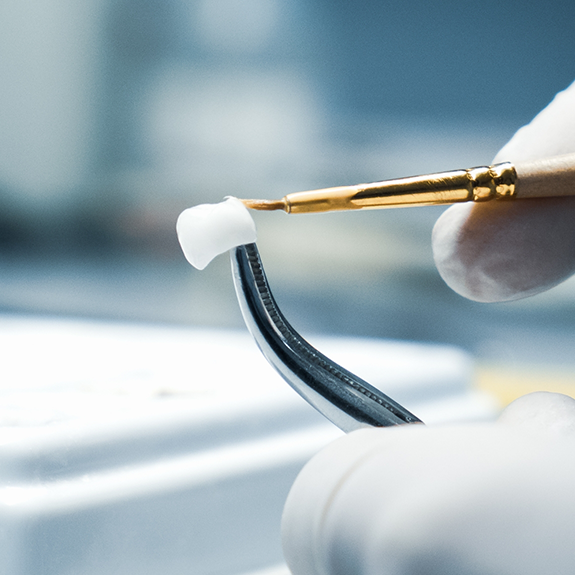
311,494
504,251
455,256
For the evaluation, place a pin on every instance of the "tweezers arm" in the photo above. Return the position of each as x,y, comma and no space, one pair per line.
341,396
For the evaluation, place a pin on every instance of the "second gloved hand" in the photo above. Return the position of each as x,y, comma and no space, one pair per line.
490,499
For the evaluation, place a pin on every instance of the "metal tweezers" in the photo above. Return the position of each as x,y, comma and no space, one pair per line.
338,394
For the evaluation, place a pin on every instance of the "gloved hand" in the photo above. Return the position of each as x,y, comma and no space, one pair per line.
499,251
490,499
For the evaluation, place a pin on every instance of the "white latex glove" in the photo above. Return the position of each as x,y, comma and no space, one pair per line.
501,251
491,499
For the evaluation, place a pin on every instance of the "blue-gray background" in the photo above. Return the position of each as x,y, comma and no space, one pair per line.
115,116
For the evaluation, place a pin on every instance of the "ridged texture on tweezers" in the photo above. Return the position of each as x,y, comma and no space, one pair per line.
341,396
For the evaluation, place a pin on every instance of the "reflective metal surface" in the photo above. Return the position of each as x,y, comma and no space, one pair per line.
475,184
341,396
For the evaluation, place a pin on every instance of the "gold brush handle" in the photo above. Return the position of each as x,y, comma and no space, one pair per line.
476,184
538,179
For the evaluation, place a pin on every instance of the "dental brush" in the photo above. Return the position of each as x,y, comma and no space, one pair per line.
549,177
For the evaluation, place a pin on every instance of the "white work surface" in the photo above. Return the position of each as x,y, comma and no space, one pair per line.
135,449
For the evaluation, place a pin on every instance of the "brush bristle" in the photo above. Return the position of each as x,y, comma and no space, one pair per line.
268,205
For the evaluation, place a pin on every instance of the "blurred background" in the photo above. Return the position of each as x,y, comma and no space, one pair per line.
116,116
136,436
